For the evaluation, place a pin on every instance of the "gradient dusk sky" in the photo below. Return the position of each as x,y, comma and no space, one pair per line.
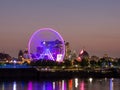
90,24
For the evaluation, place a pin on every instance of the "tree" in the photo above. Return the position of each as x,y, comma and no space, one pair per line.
84,62
5,56
93,63
67,62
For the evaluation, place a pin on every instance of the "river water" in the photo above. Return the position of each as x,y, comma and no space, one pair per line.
62,84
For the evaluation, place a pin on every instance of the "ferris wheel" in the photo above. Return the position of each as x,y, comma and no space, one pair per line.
46,44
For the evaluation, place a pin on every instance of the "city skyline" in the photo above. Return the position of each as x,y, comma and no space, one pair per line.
90,25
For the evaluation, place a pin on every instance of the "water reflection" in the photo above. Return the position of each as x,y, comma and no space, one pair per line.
76,82
65,84
53,85
111,84
3,87
90,79
70,84
14,85
30,85
82,86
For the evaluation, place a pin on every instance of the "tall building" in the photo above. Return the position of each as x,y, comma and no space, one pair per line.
83,55
67,50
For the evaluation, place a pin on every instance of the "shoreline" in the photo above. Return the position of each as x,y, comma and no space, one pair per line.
35,73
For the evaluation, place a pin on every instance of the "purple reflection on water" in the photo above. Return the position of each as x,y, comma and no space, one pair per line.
67,84
111,84
53,85
30,85
64,85
48,86
40,86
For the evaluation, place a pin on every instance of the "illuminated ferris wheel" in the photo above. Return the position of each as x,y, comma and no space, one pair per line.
46,44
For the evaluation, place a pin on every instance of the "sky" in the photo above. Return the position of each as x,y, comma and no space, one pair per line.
93,25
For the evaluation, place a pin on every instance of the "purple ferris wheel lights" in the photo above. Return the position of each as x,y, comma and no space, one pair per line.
47,44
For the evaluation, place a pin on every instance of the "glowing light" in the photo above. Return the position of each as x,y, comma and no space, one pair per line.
44,42
76,82
46,53
82,85
82,52
62,84
111,84
70,84
59,57
53,85
90,79
15,61
105,79
14,86
51,42
79,59
30,86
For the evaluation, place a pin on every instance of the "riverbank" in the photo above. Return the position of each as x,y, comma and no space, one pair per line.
38,73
